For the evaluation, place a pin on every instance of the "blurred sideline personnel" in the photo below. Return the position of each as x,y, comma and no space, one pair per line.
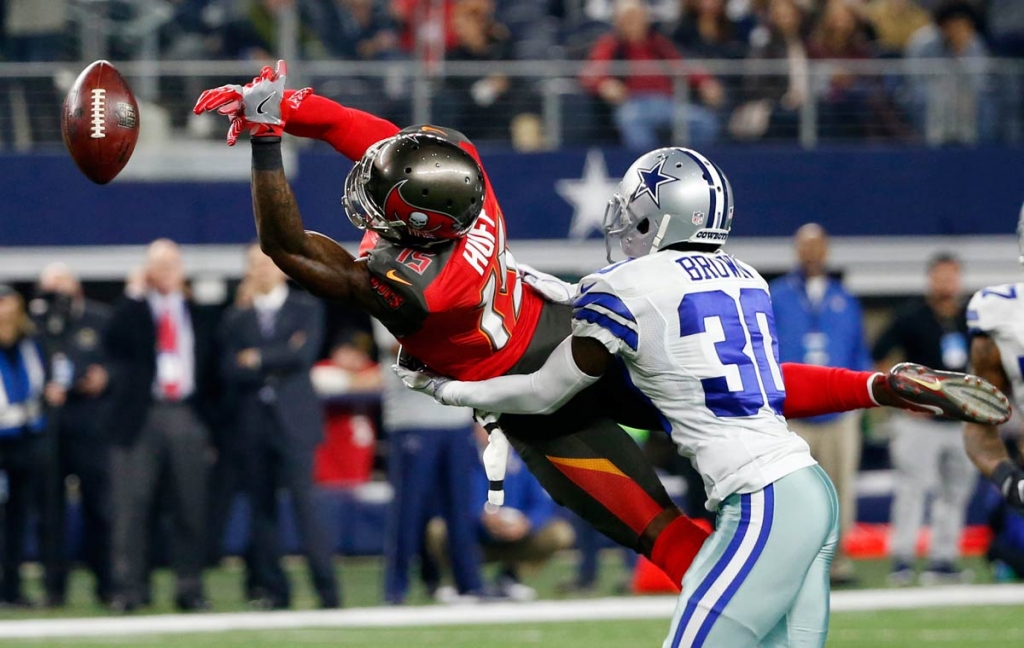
927,451
72,328
680,316
995,320
23,391
820,323
267,352
430,465
162,380
523,532
442,280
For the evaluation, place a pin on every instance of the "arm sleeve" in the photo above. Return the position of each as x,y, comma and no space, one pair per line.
813,391
599,313
541,392
348,130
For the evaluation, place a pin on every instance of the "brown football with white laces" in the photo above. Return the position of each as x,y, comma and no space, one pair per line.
100,122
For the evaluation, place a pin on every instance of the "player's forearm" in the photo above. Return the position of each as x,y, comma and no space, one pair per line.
985,447
541,392
348,130
278,221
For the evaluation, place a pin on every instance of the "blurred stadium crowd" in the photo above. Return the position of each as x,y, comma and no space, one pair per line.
744,70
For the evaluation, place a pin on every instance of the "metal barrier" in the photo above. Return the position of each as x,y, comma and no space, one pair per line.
536,105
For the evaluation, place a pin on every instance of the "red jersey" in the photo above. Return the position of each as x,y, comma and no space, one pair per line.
459,307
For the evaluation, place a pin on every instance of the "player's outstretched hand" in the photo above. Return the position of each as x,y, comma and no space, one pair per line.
260,107
550,287
423,381
1010,479
945,393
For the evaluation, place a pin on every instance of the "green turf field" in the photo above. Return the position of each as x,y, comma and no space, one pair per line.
953,627
361,580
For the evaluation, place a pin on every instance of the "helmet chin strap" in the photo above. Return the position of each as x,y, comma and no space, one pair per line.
656,243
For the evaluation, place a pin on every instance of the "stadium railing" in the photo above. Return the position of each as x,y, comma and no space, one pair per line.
928,102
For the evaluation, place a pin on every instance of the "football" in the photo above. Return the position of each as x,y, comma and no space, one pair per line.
100,122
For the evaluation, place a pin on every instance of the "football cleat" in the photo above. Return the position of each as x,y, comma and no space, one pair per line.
948,393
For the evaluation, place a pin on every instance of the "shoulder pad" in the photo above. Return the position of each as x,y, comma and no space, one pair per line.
993,307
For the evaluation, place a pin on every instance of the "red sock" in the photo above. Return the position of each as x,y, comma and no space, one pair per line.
676,547
811,390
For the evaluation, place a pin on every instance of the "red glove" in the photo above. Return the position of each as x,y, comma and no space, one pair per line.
260,107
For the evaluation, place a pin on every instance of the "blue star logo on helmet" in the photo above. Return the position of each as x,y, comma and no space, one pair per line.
651,181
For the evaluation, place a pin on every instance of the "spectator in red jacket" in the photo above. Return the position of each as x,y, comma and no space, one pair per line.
643,103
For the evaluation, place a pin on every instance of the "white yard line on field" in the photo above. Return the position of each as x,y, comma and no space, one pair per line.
606,609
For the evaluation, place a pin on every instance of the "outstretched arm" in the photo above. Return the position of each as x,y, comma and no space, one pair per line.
574,365
982,442
317,262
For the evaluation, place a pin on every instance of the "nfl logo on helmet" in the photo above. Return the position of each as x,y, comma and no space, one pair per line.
698,218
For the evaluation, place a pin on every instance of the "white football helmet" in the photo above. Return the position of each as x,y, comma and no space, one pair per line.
668,196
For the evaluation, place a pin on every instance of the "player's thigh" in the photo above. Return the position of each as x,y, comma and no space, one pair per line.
595,469
805,625
752,569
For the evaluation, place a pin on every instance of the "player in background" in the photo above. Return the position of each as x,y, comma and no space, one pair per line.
440,278
995,322
694,329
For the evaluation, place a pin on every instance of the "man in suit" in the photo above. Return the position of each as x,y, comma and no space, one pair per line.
267,352
163,370
71,328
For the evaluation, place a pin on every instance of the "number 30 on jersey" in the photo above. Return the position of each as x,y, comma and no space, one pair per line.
732,323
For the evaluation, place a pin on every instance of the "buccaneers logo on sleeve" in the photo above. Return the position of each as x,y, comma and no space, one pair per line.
422,221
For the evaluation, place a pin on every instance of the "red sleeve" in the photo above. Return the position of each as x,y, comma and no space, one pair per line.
596,70
348,130
813,391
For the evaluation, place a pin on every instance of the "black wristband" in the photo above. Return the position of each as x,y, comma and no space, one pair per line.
496,484
1004,471
266,154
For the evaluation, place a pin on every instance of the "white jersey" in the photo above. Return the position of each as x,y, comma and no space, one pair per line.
998,311
697,334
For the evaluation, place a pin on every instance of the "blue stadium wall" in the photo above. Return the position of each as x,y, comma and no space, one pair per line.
856,192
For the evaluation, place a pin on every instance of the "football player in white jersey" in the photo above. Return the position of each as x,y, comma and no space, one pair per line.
995,321
694,329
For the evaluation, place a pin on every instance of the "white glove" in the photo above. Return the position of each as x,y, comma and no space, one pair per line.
550,287
424,382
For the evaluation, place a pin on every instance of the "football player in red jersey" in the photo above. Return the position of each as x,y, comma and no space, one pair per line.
438,274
